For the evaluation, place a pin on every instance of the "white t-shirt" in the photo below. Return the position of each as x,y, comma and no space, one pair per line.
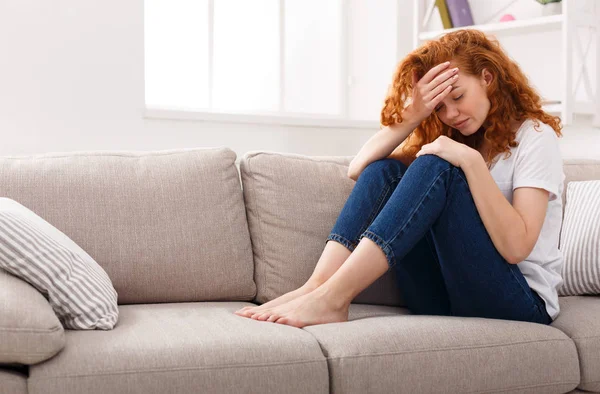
537,162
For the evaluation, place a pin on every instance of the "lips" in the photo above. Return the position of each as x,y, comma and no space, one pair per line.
461,123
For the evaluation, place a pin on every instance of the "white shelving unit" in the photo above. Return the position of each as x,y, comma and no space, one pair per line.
576,14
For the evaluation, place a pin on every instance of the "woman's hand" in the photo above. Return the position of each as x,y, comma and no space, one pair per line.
453,152
429,91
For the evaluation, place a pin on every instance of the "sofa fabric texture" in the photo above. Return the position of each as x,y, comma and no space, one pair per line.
30,332
185,348
78,289
167,226
580,320
12,382
177,347
428,354
177,331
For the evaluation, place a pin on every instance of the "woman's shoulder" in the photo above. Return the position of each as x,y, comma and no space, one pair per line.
533,129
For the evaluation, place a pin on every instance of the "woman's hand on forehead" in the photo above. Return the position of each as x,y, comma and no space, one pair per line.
429,91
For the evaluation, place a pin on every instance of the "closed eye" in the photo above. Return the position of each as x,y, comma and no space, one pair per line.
458,98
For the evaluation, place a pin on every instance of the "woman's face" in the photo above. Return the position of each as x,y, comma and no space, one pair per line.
466,107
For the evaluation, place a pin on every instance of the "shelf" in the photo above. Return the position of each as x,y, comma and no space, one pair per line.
552,108
520,26
576,64
580,107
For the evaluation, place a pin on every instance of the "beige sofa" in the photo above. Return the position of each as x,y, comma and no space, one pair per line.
187,239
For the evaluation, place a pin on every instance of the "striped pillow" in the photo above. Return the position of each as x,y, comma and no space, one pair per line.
580,239
78,289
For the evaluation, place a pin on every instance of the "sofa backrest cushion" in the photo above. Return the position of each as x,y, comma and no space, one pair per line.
292,203
166,226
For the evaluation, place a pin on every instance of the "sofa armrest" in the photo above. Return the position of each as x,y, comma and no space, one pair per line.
30,332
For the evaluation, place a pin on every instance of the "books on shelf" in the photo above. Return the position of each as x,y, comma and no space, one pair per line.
454,13
444,14
460,13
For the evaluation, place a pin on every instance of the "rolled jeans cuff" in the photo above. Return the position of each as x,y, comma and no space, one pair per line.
344,241
387,250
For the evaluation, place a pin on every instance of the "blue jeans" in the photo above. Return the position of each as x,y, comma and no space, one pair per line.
425,221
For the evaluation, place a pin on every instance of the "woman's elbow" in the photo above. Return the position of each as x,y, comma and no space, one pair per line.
354,170
514,260
518,255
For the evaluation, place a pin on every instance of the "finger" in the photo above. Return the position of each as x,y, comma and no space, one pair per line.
428,77
442,77
440,88
423,150
438,99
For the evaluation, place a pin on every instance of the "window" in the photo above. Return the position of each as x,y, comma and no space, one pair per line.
309,59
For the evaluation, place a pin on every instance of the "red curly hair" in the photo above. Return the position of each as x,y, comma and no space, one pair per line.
511,96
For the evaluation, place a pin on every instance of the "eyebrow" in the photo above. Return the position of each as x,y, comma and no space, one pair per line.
454,87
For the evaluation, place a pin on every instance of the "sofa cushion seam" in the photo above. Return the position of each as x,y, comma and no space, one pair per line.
260,227
451,348
34,330
526,386
125,154
177,369
25,353
592,337
311,160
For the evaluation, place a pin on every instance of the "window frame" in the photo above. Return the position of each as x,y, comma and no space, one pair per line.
281,117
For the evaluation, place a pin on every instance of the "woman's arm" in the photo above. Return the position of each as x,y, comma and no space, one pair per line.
427,93
380,146
514,229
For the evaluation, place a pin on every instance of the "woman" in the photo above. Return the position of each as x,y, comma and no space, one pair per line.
459,193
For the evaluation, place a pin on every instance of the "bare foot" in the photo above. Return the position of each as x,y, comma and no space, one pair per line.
313,308
248,311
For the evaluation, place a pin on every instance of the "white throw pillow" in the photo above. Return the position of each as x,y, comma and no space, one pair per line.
78,289
580,239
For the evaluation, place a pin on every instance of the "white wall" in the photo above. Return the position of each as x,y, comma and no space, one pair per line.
71,78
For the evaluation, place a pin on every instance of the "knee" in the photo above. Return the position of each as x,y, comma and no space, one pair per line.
431,166
390,167
432,162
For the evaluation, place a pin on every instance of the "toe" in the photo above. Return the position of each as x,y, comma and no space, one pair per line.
273,318
258,315
264,316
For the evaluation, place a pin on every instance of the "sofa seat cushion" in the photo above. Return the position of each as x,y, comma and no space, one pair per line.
185,348
166,226
12,382
387,349
579,318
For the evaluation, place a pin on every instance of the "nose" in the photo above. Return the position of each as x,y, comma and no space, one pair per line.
452,112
